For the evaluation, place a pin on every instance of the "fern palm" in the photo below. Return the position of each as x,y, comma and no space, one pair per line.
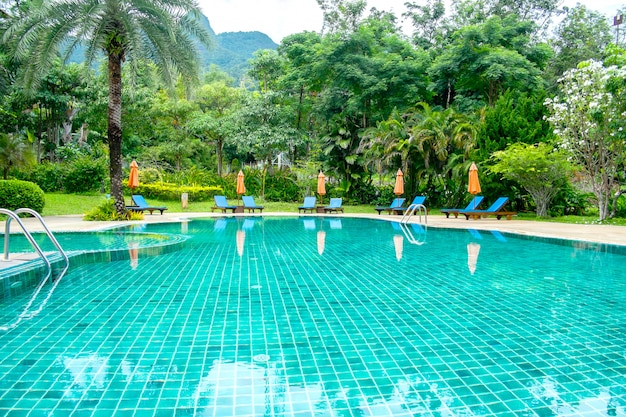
163,31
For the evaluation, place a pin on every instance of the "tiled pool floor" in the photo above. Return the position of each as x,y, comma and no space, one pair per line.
295,318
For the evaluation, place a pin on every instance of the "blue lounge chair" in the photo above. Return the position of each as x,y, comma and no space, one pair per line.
250,205
496,209
222,204
418,200
473,205
334,206
140,204
395,205
308,205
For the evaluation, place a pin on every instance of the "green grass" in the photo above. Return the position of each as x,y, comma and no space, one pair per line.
63,204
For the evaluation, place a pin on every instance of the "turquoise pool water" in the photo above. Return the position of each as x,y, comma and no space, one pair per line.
327,317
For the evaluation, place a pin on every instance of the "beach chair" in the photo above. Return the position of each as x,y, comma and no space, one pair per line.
496,209
473,205
395,205
250,205
418,200
222,204
140,204
308,205
334,206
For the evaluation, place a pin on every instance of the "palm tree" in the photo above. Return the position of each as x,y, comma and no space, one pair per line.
164,31
15,152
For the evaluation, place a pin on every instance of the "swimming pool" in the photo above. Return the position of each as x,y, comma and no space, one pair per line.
328,316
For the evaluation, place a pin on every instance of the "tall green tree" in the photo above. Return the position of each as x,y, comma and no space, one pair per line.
164,31
538,168
486,59
581,35
588,119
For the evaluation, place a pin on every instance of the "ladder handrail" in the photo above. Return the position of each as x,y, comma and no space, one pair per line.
411,210
13,215
409,235
55,242
7,235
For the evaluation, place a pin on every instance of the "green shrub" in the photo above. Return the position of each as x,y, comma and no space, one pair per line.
282,187
16,194
106,212
85,174
172,192
48,176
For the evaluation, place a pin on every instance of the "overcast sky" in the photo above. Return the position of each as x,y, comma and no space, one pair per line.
279,18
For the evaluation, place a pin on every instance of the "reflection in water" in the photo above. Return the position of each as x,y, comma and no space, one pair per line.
398,242
240,240
133,252
321,241
606,403
86,371
261,387
473,249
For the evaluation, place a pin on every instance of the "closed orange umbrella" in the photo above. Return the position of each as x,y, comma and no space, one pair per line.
321,185
473,186
133,178
241,187
399,187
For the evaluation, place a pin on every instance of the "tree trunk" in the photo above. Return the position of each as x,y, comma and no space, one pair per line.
220,156
115,131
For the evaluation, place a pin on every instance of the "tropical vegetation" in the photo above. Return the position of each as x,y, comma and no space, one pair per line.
531,92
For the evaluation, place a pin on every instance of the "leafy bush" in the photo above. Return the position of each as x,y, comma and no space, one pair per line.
85,174
282,187
48,176
106,212
16,194
172,192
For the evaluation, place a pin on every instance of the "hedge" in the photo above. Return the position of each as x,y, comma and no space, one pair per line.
172,192
16,194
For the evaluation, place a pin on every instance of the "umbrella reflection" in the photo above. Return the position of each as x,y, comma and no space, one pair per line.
321,241
240,239
133,252
398,243
473,249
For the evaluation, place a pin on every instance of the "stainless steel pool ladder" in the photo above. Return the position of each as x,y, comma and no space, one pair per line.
411,210
14,215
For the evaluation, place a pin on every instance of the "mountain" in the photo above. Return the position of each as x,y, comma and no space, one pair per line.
231,50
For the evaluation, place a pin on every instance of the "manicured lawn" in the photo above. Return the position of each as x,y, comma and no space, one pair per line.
60,204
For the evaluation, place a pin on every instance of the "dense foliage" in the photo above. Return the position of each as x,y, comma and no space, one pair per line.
357,101
16,194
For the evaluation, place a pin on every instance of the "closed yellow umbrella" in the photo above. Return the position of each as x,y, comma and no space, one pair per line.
241,187
133,178
321,185
473,185
398,189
